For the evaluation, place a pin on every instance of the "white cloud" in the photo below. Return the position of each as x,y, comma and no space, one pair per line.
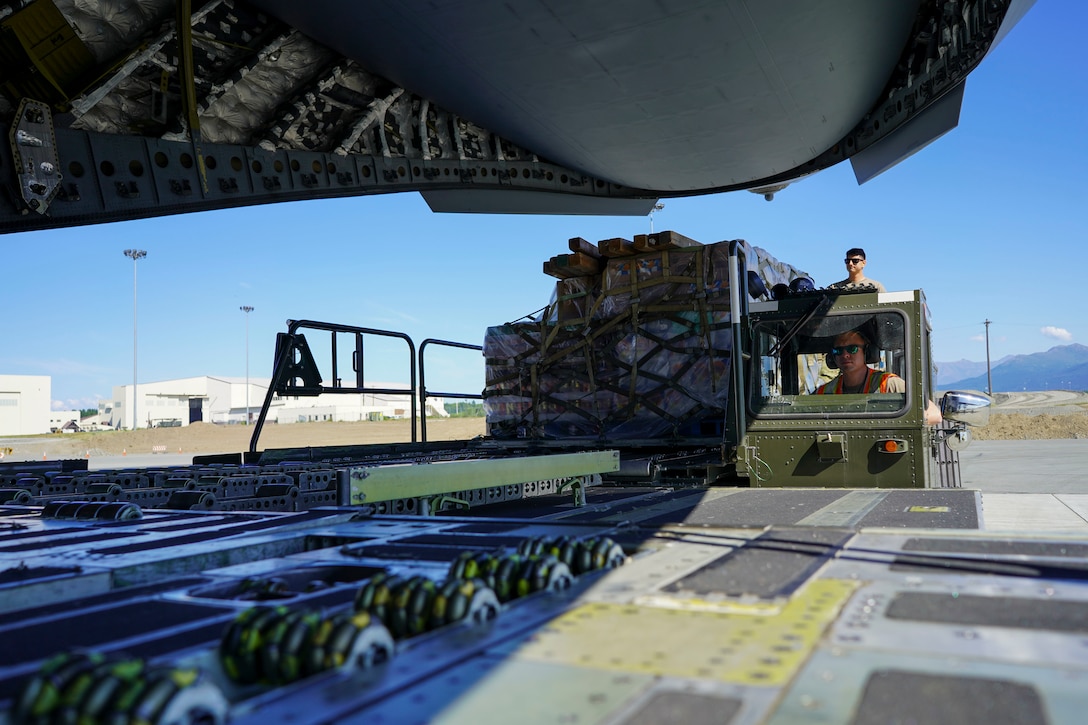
60,366
390,315
76,403
978,338
1057,333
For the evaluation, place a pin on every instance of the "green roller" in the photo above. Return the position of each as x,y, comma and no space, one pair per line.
42,694
291,646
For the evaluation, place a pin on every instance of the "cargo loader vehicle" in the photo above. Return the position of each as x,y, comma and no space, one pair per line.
718,349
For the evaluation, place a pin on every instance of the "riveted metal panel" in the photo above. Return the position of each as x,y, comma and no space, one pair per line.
797,460
124,172
852,686
927,619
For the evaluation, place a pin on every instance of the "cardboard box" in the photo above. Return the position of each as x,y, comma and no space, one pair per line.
574,299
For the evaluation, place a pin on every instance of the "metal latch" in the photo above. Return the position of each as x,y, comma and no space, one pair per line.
831,446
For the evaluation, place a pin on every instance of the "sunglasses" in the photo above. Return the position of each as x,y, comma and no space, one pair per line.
854,260
852,349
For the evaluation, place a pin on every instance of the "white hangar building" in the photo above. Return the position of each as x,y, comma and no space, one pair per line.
24,404
212,399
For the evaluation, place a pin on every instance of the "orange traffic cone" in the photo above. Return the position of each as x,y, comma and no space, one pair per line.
124,451
43,456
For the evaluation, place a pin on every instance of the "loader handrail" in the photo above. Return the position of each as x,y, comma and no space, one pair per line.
738,294
423,392
285,369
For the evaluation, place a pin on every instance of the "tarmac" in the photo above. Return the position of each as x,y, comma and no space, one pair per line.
1046,466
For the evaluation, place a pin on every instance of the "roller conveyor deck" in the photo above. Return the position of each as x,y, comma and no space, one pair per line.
729,605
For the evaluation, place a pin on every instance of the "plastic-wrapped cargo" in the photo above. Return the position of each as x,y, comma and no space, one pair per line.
639,351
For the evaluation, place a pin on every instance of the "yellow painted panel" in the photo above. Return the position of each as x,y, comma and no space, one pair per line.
750,647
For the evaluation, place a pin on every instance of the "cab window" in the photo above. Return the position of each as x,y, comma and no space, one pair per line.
791,362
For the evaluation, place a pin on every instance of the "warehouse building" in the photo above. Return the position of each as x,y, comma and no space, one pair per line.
24,404
224,400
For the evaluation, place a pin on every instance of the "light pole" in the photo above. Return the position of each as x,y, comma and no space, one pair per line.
657,207
135,255
247,309
989,380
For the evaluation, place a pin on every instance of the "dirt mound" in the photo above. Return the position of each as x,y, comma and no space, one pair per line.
1018,426
201,438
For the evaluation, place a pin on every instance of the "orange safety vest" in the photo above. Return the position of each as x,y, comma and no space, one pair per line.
875,382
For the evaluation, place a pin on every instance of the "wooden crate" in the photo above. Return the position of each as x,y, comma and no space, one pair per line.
575,264
616,247
663,240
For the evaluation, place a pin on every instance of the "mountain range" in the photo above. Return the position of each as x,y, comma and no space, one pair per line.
1064,367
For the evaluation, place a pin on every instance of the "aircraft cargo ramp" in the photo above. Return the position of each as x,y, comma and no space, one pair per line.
640,605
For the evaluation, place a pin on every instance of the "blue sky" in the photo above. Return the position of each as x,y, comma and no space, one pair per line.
991,221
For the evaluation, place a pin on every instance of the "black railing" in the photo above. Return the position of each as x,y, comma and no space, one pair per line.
295,372
424,393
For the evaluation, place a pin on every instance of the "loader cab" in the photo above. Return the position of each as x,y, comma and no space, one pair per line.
793,367
878,438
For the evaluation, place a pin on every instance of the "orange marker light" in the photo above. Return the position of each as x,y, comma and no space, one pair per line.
892,445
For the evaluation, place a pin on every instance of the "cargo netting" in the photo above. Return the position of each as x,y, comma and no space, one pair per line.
632,346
